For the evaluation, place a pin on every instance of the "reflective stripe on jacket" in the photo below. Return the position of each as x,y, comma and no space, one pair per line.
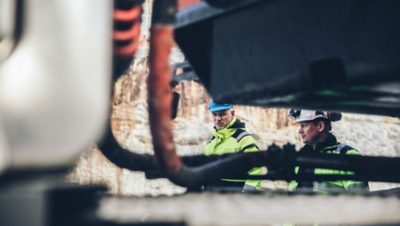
232,139
330,147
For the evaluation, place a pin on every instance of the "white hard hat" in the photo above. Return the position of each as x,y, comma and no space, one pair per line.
310,115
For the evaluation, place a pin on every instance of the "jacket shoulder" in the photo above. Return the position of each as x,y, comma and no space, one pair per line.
245,140
240,134
345,149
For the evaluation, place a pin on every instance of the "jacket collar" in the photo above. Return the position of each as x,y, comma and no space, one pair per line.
330,141
234,124
230,129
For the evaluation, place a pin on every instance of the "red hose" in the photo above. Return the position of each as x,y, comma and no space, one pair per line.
127,15
126,34
160,98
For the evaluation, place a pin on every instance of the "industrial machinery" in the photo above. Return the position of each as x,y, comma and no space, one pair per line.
327,55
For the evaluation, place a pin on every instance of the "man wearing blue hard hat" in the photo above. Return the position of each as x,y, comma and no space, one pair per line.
230,136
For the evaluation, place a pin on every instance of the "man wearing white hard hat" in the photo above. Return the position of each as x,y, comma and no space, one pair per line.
315,131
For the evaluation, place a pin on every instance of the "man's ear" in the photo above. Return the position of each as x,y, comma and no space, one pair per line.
321,126
233,112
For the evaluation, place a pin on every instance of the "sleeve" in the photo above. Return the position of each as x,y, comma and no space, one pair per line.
248,144
209,149
347,185
350,185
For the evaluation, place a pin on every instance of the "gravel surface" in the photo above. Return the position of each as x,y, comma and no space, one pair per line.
252,209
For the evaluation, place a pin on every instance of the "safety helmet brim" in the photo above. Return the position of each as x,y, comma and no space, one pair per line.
214,107
311,115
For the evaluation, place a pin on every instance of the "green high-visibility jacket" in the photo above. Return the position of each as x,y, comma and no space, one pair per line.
232,139
331,146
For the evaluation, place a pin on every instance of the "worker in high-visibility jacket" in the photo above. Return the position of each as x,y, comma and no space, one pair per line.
230,136
315,131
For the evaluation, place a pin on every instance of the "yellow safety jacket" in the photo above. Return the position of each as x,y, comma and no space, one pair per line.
232,139
331,146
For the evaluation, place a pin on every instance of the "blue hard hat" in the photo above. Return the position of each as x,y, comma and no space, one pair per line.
213,107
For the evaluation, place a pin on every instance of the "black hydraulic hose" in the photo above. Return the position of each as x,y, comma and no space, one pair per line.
359,164
122,157
198,160
230,166
281,164
326,177
126,34
362,168
203,169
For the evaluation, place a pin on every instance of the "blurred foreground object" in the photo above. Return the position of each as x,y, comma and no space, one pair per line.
54,80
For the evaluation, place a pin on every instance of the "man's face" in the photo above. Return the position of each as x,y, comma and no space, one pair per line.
310,132
223,118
